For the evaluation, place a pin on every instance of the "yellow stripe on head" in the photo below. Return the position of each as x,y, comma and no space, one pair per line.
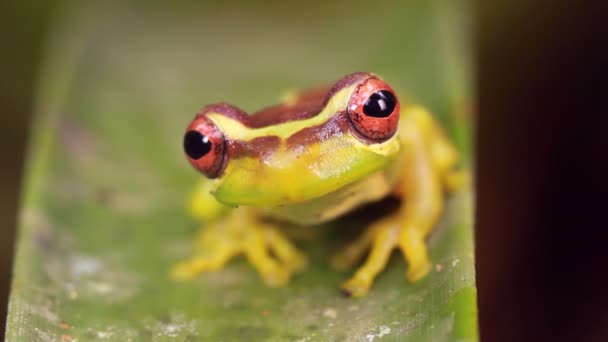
236,130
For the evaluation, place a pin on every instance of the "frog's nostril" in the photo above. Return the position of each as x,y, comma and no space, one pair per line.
196,145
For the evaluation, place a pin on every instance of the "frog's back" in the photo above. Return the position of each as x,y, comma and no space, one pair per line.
297,105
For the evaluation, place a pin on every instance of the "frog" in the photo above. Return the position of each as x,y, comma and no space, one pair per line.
316,156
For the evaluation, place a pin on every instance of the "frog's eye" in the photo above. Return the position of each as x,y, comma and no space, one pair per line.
374,110
204,146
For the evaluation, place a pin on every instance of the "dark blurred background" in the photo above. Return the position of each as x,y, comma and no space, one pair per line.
541,163
541,230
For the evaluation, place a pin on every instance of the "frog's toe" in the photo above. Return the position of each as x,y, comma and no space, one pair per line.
273,272
355,287
215,260
417,272
276,277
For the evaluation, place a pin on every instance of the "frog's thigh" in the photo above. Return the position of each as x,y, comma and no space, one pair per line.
422,190
443,153
445,158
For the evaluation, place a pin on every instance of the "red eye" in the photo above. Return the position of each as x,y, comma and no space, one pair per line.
204,146
373,110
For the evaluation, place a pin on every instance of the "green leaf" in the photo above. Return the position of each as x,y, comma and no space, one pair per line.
103,212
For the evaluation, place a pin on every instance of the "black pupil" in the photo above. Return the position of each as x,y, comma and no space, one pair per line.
380,104
196,145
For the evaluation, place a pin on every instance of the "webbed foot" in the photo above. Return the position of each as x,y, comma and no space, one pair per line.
263,244
381,238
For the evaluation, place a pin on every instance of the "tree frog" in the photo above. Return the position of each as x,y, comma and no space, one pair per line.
314,157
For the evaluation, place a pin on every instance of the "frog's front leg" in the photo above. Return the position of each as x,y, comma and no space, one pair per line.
243,232
408,227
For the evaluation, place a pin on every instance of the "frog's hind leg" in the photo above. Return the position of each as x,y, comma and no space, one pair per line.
243,232
445,158
444,154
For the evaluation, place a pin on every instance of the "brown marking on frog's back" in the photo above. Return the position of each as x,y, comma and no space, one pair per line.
253,148
335,126
309,103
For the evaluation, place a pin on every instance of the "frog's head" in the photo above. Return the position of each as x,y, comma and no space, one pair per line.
313,144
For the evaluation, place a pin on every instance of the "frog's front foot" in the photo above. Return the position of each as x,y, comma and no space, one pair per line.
381,239
264,246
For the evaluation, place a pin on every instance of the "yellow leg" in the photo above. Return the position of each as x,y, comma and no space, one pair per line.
242,232
413,247
188,269
456,180
284,250
384,241
404,230
256,251
444,155
354,251
421,187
